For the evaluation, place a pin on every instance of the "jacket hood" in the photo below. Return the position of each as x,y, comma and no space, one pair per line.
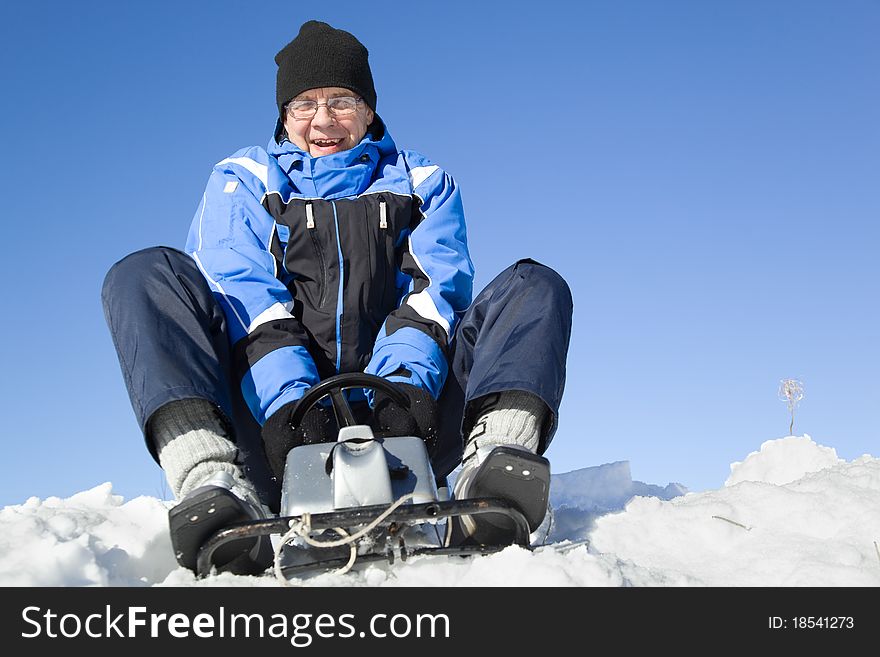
333,176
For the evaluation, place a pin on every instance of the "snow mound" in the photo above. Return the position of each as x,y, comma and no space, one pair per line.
792,514
90,539
579,497
783,461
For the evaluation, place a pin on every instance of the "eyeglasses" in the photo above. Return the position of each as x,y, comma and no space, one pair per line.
339,106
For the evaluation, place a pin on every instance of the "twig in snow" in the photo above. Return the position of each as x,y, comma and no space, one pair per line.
877,547
733,522
791,392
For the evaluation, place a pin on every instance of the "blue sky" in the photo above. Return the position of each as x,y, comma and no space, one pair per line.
704,174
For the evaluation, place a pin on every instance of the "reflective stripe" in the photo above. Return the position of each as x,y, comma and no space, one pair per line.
272,313
424,305
418,175
422,302
261,171
217,285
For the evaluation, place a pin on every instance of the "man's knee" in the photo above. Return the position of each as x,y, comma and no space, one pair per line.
137,269
544,281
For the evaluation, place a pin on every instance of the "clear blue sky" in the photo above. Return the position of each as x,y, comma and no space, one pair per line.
706,175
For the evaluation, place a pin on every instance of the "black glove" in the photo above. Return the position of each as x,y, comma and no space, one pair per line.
280,436
420,419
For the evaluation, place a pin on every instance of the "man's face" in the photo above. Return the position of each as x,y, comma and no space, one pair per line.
324,133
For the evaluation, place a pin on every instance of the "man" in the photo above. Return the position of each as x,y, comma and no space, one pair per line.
330,251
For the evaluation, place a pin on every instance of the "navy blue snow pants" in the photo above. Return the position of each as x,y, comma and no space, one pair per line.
171,338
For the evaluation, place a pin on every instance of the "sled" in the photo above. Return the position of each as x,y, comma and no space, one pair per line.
364,499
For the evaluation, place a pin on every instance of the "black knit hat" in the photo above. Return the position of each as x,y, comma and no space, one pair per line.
322,56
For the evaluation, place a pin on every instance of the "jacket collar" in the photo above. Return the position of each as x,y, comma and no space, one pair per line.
332,176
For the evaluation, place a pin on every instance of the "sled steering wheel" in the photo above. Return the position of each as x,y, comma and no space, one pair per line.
333,388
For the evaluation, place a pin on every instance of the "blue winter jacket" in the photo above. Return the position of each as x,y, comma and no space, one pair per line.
350,262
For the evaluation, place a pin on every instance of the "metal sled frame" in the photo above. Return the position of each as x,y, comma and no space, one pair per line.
401,518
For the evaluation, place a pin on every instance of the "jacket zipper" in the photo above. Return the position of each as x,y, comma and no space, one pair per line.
339,295
383,213
381,248
310,224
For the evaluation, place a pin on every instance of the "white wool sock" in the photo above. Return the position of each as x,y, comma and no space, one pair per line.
513,417
192,444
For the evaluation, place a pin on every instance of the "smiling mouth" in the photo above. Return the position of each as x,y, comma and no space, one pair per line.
326,143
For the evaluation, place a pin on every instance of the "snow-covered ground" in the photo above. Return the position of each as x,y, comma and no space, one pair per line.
790,514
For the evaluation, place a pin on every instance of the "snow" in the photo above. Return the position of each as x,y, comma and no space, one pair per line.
790,514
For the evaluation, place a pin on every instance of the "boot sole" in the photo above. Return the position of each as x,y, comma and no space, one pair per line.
202,515
512,474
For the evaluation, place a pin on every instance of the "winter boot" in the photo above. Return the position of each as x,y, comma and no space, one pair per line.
215,504
200,464
500,461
